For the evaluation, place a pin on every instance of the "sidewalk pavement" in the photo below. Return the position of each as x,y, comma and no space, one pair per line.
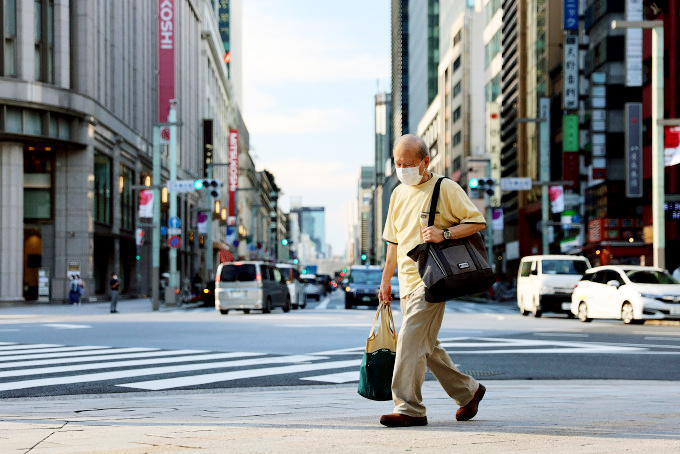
576,416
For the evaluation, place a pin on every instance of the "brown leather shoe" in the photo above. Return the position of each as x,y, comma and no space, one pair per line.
399,420
470,410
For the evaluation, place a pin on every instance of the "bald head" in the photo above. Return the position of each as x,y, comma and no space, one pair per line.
411,144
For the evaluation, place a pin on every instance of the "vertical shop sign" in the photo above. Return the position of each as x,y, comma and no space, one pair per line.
233,174
570,92
634,45
166,57
571,14
633,145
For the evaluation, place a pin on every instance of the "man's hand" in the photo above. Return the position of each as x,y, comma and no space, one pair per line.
385,292
432,234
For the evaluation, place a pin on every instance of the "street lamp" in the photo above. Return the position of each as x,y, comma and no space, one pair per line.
658,196
544,161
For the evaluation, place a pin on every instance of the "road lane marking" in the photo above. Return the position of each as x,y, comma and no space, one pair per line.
77,353
27,346
116,364
562,334
109,357
65,326
663,338
157,385
87,378
339,378
8,355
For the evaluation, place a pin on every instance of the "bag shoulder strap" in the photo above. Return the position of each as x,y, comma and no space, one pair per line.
433,203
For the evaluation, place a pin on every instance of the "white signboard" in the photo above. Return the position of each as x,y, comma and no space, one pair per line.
570,91
516,184
181,186
634,45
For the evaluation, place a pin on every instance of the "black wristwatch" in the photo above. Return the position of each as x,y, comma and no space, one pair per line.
447,234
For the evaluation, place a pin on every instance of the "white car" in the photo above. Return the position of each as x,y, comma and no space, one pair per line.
629,293
312,288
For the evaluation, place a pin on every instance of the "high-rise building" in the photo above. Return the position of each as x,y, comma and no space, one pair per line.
311,222
383,160
365,215
72,156
400,68
423,58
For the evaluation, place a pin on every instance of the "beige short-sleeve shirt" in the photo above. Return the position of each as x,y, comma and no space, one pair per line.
409,212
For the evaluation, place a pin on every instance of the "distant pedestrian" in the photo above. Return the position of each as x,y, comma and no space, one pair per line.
81,288
73,292
115,288
676,274
418,348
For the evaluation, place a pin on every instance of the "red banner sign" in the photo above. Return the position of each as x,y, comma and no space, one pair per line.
166,57
233,174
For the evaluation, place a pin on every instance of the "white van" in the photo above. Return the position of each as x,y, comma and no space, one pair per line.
545,283
295,287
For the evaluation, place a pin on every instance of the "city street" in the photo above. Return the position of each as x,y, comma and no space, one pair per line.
49,350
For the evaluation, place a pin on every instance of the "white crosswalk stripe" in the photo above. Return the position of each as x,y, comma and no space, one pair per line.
66,365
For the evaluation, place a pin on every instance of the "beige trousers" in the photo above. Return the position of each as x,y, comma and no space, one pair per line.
418,349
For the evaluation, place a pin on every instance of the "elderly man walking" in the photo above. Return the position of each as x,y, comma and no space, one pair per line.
405,228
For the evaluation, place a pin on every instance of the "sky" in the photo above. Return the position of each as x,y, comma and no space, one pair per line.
311,70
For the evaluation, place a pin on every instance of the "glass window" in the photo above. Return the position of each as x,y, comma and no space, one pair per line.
37,184
9,35
365,276
13,121
564,267
458,138
32,122
44,40
277,275
456,64
102,188
238,273
650,277
456,115
492,48
526,269
457,88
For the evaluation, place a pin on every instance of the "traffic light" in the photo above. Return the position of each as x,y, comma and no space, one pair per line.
139,237
486,185
210,184
363,258
473,185
284,242
295,261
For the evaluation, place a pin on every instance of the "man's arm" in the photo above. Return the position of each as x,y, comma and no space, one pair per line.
434,235
388,272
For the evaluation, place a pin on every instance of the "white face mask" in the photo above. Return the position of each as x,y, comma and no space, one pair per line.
409,175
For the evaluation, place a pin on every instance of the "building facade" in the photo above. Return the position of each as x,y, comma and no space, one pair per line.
78,103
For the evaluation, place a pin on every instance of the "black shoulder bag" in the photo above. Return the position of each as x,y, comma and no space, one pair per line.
452,268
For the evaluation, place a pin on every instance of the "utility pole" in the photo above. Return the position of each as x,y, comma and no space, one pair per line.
155,230
174,281
544,153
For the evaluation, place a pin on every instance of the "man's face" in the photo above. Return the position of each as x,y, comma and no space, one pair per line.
405,156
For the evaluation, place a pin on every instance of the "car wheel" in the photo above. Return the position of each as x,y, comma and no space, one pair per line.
522,310
224,311
286,307
627,313
536,311
246,311
295,307
267,306
583,312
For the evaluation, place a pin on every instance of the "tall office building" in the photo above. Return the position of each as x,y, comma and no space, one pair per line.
400,68
311,222
79,96
423,58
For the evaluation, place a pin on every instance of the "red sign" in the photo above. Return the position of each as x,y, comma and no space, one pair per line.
174,242
233,173
570,168
166,57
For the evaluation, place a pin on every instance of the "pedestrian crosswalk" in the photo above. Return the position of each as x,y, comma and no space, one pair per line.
26,369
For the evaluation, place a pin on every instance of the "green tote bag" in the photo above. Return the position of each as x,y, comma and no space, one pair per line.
377,365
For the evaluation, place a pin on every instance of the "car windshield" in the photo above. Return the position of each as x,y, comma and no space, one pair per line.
366,276
564,267
650,277
238,273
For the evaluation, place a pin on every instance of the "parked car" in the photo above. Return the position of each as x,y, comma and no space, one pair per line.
312,287
296,288
394,283
545,283
326,282
363,286
250,285
629,293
